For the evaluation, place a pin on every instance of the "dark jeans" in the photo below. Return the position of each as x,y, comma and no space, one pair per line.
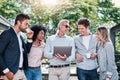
87,74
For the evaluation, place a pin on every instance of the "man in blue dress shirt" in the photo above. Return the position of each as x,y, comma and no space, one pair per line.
59,65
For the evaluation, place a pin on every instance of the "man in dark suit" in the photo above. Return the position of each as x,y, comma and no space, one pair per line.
13,51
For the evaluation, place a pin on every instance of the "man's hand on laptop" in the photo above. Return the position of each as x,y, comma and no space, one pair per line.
61,57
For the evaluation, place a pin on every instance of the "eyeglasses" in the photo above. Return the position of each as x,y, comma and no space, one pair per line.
66,26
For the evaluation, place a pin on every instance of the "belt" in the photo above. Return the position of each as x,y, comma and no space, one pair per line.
33,67
59,66
20,68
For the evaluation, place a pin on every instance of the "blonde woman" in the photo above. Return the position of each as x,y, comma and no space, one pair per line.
108,68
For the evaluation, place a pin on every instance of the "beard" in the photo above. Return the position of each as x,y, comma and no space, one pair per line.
22,29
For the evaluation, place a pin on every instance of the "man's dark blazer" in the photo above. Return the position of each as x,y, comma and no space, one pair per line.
10,51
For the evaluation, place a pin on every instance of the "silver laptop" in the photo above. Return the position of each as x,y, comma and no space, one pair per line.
63,50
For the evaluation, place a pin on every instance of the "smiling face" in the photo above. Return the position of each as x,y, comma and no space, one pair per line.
83,26
64,27
102,35
83,30
98,35
40,35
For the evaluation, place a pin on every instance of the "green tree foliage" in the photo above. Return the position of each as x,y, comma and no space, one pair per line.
117,42
98,11
109,12
9,9
63,9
